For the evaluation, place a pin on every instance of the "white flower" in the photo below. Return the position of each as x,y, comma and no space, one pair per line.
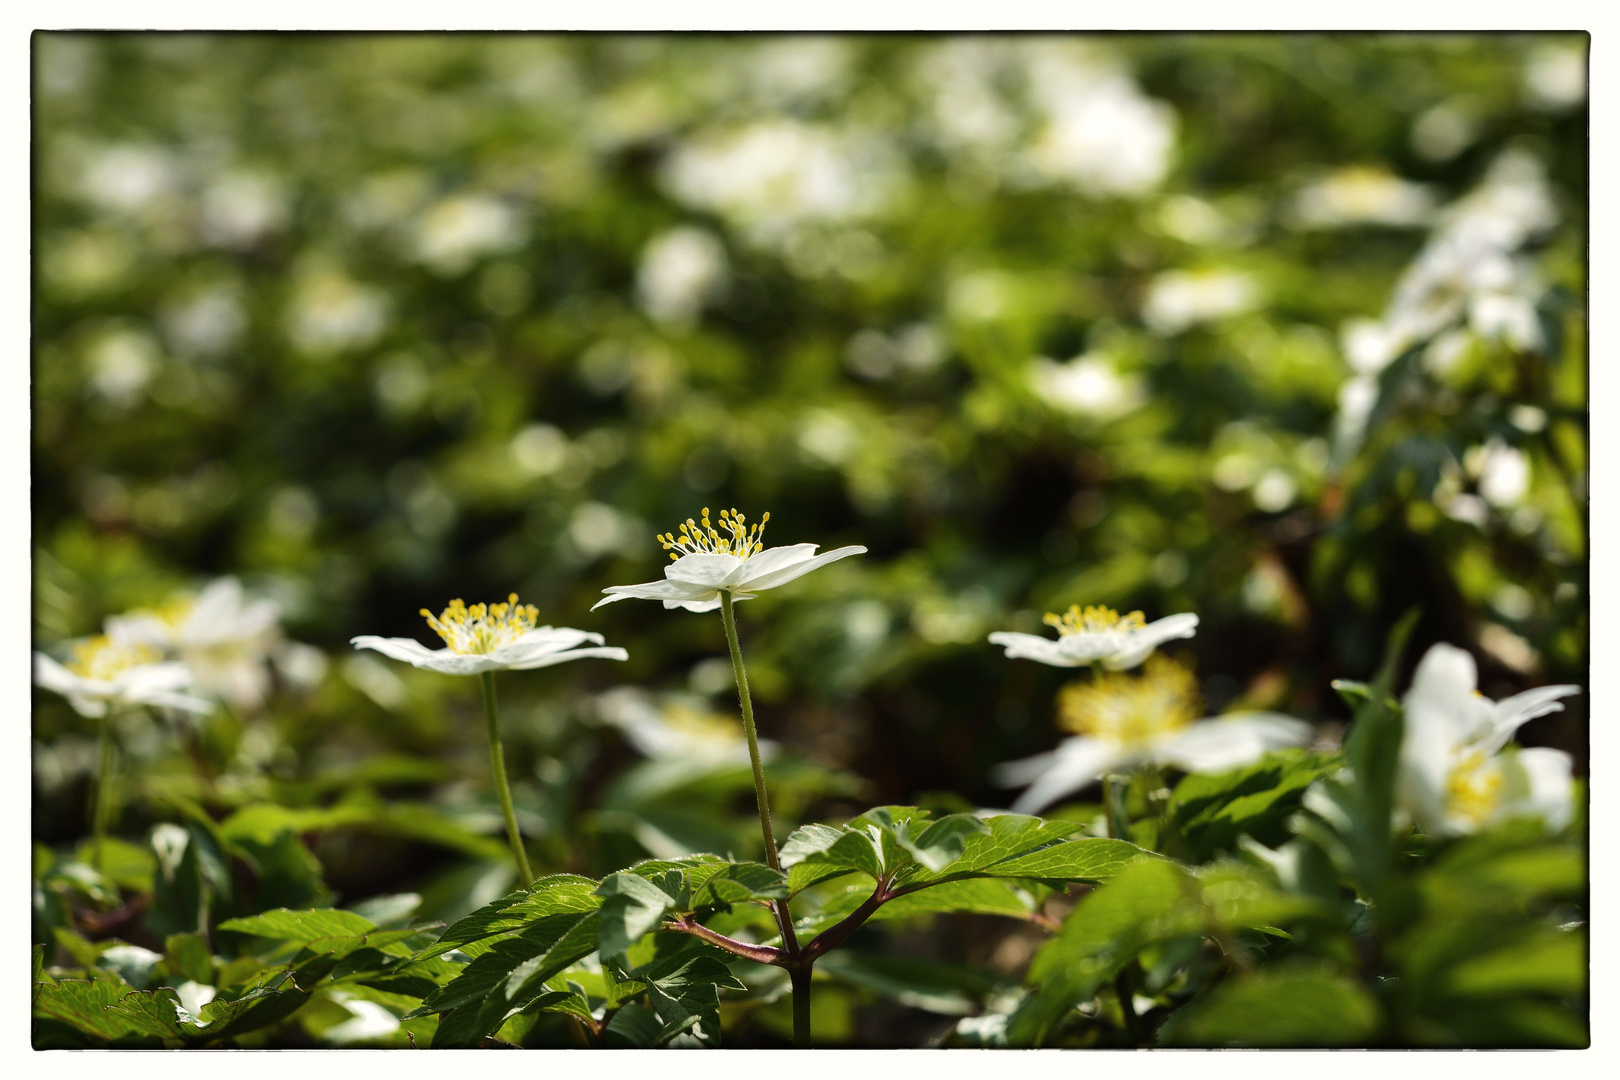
105,672
707,564
491,638
677,727
1454,776
1128,720
680,271
223,637
1178,299
1361,195
1088,385
1097,634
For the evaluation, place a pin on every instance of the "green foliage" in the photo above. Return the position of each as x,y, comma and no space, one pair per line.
1278,1007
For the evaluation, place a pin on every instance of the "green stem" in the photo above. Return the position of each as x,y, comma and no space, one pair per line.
497,762
102,817
784,919
730,619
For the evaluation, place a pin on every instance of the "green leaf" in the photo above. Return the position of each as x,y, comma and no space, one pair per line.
687,998
1297,1007
1007,836
828,849
634,1026
1539,960
946,989
515,988
493,967
178,899
187,957
84,1004
1207,813
631,906
736,883
1016,899
301,926
552,895
942,843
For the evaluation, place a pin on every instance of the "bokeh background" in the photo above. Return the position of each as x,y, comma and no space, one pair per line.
1285,330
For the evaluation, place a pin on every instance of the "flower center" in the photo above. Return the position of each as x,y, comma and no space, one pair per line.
1131,710
101,657
482,629
1473,790
1094,620
732,538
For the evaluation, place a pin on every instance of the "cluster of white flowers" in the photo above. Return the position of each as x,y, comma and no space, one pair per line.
1467,280
217,642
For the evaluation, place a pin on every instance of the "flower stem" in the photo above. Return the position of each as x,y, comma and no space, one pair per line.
784,919
737,669
497,762
102,817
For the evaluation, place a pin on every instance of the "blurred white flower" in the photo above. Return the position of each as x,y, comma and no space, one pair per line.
206,324
330,312
1454,776
776,173
1555,76
107,673
122,363
1503,472
707,563
1101,133
966,109
1126,720
242,208
455,232
130,179
794,69
223,637
680,271
1097,635
1360,195
1178,299
496,637
677,727
1088,385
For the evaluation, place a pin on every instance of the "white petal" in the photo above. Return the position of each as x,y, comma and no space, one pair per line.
84,706
653,590
607,652
140,629
702,569
1141,643
176,701
541,641
53,676
1551,788
711,604
1227,742
772,560
1510,713
1443,694
1030,647
756,582
150,678
1075,763
418,655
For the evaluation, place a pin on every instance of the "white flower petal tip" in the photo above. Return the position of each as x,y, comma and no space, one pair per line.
495,637
707,562
107,673
1456,774
1097,635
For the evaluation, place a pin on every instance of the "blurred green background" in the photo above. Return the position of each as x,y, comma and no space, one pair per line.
1161,322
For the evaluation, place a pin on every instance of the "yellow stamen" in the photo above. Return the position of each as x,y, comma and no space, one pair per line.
1473,790
695,538
1131,710
101,657
1094,620
482,629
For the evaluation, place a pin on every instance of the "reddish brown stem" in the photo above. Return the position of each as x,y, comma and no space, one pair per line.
762,954
835,934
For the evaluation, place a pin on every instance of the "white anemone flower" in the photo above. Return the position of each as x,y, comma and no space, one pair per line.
1455,776
1122,721
1097,635
221,635
708,563
105,673
494,637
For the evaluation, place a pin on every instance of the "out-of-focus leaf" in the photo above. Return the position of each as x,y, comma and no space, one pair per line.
1277,1008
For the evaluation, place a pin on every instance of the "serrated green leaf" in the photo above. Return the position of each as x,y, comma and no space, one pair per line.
1277,1008
187,957
946,989
1007,836
687,999
735,883
837,850
978,895
85,1004
631,906
552,895
942,842
284,924
493,967
634,1026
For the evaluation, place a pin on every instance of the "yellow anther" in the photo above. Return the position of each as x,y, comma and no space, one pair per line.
101,657
1094,620
734,537
1131,710
1473,789
482,628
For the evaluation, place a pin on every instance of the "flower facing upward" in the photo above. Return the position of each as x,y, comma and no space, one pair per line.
491,637
105,671
706,562
1455,777
221,635
1096,635
1122,720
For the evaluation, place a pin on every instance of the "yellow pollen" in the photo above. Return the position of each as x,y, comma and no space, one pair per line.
101,657
1131,710
1094,620
734,537
482,629
1473,790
